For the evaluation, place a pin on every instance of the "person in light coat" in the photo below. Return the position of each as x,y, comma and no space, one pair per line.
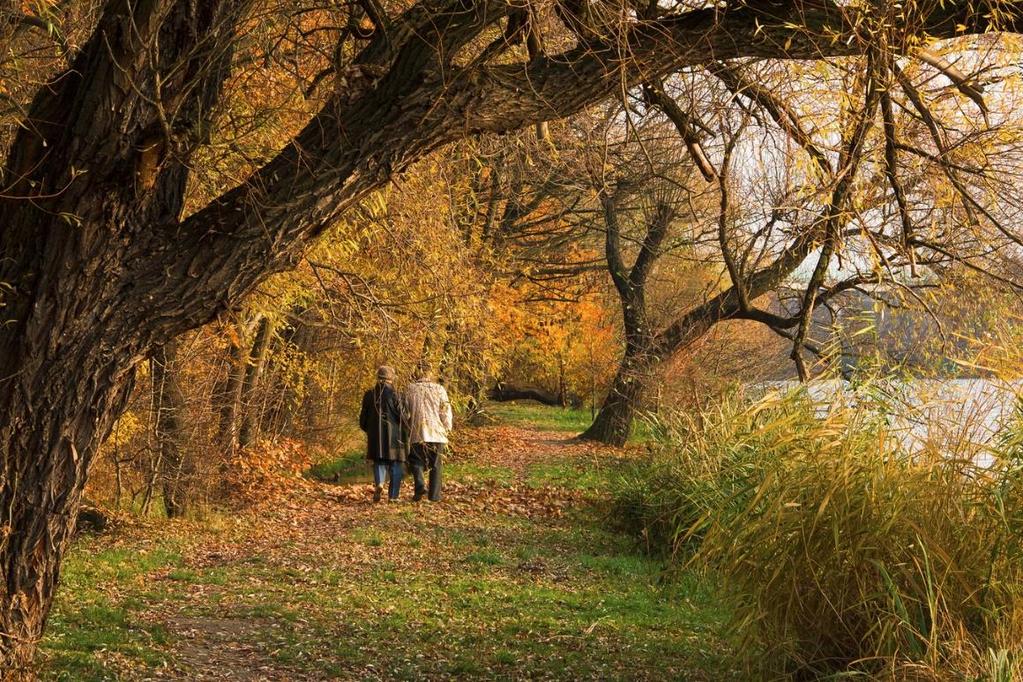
428,412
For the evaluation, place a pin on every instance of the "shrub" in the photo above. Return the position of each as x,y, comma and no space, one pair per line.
266,470
840,551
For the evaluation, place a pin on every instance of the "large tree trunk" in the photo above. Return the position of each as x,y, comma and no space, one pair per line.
169,404
253,373
52,420
70,263
229,400
613,424
503,392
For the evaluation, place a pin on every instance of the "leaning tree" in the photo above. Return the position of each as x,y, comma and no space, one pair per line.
884,185
100,263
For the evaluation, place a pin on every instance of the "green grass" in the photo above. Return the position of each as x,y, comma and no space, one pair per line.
399,594
502,598
540,417
567,420
350,467
585,606
485,556
370,537
96,615
592,475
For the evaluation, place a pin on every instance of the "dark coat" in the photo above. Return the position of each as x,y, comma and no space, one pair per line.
381,418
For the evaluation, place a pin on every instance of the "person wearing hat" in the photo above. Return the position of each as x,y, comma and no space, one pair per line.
386,448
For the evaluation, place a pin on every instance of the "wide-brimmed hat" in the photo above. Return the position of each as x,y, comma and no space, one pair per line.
386,373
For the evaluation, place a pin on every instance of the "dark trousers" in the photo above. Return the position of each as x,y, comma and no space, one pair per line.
426,456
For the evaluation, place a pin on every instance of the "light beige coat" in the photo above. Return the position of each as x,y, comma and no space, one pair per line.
428,411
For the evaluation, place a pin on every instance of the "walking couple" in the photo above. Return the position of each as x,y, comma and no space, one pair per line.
411,426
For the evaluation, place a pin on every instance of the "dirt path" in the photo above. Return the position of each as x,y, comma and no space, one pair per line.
306,532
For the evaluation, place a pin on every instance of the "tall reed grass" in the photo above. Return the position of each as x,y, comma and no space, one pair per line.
841,552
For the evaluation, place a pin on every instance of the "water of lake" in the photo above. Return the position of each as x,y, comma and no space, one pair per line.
961,416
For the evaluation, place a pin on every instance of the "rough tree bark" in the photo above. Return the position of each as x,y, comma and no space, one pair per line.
82,182
228,395
502,392
99,269
646,349
617,414
613,424
169,404
253,373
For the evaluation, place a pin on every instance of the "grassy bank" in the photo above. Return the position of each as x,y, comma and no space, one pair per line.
841,553
530,415
515,575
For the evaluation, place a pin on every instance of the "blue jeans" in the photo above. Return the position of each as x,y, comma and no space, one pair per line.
380,472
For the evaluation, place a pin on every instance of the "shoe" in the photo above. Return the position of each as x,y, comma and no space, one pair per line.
378,491
393,499
418,496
